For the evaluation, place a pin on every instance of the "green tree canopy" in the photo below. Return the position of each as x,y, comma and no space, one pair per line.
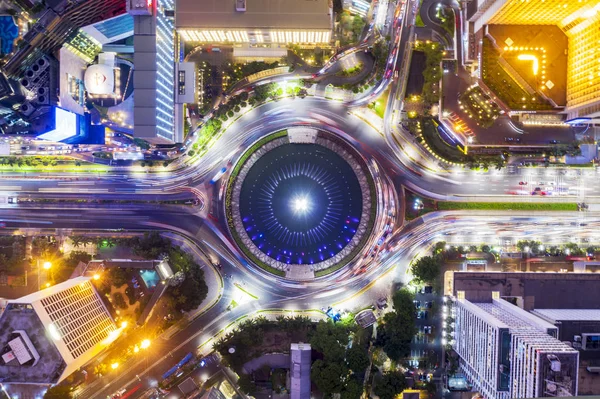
357,359
330,339
58,392
398,327
328,377
246,385
426,269
390,385
352,390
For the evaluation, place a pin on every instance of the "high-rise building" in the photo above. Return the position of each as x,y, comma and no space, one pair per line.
578,19
47,335
506,352
154,78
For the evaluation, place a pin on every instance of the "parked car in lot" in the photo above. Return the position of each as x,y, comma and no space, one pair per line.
427,289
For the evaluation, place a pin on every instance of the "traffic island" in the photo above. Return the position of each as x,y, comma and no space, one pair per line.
300,203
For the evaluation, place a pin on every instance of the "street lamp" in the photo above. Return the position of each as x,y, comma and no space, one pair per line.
46,266
145,344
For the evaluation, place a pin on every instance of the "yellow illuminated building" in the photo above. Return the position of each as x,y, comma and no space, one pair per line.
579,20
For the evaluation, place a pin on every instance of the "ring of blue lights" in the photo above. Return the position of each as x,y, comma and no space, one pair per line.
329,197
301,203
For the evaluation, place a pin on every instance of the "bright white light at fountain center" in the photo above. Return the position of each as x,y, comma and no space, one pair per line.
301,204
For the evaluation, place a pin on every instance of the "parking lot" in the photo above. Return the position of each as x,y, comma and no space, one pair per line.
426,349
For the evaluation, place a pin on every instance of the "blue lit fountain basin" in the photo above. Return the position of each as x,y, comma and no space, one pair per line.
301,203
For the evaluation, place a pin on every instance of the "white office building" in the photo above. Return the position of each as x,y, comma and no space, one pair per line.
507,352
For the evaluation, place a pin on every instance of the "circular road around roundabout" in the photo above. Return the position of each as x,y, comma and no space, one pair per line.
301,199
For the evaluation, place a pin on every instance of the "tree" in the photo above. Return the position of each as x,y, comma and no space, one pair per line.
390,385
328,377
485,248
246,385
330,339
58,392
573,249
100,370
426,269
352,390
357,359
398,327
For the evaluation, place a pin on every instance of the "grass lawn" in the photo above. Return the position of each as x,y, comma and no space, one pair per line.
380,104
431,137
514,206
423,205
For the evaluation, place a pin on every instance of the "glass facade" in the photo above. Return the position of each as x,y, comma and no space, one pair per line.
165,71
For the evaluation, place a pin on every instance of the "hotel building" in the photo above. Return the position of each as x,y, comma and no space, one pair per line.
578,19
47,335
506,352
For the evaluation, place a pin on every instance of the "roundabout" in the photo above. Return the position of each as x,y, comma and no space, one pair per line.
300,201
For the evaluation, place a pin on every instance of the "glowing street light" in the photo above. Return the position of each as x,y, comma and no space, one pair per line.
96,276
47,265
145,344
114,366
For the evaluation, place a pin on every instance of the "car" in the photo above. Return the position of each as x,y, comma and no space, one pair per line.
428,305
554,141
538,189
417,304
522,183
427,289
117,394
425,314
382,303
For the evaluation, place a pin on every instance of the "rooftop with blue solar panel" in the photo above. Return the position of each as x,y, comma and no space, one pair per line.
111,30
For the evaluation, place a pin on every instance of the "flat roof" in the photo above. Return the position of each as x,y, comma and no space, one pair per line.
569,314
538,290
275,14
51,365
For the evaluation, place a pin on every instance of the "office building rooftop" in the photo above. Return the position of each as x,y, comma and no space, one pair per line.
278,14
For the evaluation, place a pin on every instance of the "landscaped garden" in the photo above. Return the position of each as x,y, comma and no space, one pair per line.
503,85
339,368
